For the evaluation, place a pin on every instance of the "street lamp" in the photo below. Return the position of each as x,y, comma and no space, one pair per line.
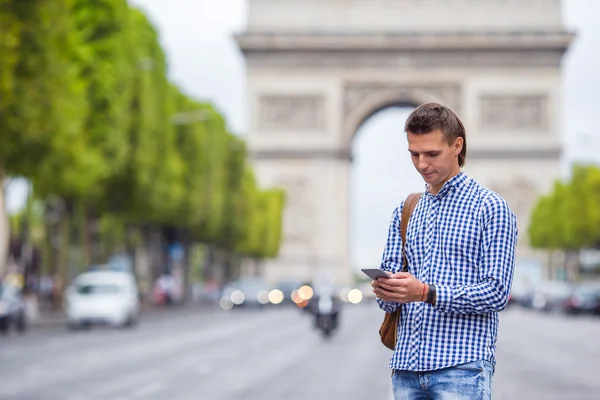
187,117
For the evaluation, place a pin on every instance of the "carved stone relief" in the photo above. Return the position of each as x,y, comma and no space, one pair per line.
521,113
298,214
291,113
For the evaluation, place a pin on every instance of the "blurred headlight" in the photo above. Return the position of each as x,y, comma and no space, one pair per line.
275,296
263,297
226,303
344,294
305,292
296,297
238,297
355,296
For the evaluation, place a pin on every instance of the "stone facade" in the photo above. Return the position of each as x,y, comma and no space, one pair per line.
309,93
403,15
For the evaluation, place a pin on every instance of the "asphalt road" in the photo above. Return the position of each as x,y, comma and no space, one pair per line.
275,354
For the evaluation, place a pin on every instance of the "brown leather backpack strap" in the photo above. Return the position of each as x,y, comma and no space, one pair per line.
409,206
389,328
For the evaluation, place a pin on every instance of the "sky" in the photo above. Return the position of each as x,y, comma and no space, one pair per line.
204,60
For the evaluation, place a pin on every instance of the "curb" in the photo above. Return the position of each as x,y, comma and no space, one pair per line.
59,319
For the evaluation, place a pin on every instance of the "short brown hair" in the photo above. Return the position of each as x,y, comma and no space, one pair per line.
430,117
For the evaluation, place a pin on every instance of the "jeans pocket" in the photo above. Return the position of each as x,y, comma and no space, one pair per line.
461,382
489,366
473,366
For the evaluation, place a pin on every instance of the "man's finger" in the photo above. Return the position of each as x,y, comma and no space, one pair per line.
401,275
387,295
391,283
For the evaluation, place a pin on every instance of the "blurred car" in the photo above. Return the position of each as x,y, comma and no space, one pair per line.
551,296
12,308
287,288
521,294
252,293
585,299
102,297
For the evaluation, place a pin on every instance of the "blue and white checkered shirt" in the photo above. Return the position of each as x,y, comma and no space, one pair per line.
463,241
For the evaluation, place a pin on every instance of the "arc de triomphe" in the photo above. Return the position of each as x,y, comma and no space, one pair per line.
316,70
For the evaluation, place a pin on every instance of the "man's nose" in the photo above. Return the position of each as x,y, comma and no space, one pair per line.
422,164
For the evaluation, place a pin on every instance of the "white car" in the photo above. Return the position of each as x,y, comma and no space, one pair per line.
102,297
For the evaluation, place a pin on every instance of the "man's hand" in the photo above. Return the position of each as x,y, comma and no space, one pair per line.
401,287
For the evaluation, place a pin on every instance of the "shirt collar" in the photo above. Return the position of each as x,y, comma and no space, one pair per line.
451,185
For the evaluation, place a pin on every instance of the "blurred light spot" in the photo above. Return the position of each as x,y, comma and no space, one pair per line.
238,297
355,296
344,294
275,296
296,297
226,304
302,303
305,292
263,297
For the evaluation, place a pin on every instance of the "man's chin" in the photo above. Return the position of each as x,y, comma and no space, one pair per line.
428,178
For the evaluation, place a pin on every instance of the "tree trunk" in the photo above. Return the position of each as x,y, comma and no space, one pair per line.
155,252
86,245
94,238
547,272
57,238
187,268
130,248
572,259
257,267
208,271
227,265
4,228
143,264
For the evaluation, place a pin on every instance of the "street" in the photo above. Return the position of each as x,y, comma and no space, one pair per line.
275,354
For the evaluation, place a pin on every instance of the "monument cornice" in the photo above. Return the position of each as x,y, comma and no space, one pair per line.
496,153
252,41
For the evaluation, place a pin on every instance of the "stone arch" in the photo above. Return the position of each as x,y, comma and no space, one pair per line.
314,79
361,101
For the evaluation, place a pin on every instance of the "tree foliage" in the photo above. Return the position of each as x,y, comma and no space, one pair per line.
568,218
88,115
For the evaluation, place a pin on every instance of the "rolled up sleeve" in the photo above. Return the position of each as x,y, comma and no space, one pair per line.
496,270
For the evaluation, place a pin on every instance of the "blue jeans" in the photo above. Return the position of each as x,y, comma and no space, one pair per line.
470,381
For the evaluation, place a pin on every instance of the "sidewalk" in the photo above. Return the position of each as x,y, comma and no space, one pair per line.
49,319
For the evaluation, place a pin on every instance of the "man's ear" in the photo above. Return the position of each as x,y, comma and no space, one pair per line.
458,145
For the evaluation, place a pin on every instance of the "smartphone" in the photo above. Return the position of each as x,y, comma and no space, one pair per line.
375,273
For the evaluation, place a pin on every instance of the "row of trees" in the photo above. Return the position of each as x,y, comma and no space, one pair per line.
112,148
567,219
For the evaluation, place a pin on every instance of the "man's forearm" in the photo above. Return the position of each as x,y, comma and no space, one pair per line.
482,298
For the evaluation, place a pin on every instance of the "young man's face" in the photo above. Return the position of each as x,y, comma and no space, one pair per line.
433,158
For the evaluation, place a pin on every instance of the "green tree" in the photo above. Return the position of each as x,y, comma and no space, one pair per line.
149,186
264,234
42,106
568,219
275,203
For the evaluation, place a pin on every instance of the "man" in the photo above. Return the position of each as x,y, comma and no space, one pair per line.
460,247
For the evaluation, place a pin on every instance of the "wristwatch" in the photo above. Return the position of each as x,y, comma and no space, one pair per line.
431,294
